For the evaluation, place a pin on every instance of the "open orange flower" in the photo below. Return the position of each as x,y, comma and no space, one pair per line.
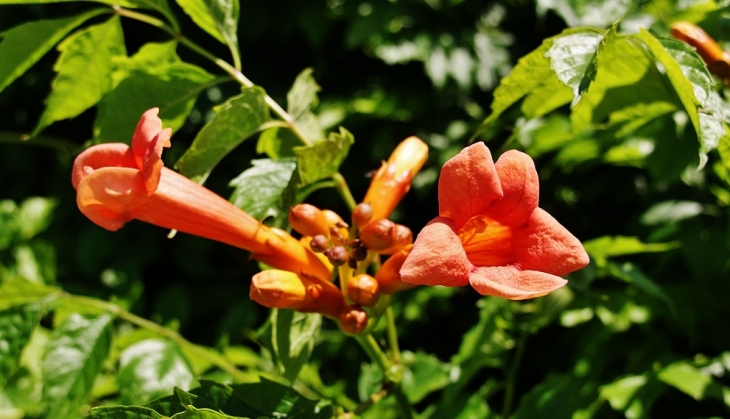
490,232
116,183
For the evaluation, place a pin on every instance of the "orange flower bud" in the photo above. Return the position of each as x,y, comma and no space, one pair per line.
394,177
319,243
362,214
717,60
308,220
379,234
363,290
337,227
388,276
353,320
283,289
403,237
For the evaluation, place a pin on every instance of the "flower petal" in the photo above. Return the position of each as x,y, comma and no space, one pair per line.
545,245
98,156
468,184
512,283
147,143
521,188
109,195
437,257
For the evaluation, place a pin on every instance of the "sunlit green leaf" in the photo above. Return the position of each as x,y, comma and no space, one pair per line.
266,189
34,215
602,248
236,120
150,369
633,395
173,89
149,57
74,357
16,325
323,159
587,12
300,100
217,17
293,336
124,412
84,71
671,212
23,45
689,380
18,292
573,58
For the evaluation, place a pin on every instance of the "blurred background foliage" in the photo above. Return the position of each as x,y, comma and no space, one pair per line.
641,332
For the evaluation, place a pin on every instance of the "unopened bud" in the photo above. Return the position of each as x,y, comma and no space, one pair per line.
394,177
308,220
362,214
278,289
337,227
353,320
319,243
337,255
352,263
363,289
388,275
403,237
378,235
358,251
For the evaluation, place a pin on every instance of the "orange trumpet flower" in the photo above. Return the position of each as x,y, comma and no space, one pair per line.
393,179
490,232
116,183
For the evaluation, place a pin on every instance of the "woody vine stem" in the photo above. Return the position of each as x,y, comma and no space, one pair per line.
390,367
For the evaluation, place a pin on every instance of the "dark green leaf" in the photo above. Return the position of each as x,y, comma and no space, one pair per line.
300,100
323,159
236,120
293,336
173,89
124,412
74,357
573,58
159,5
84,70
266,189
25,44
277,143
150,369
217,17
633,275
424,374
16,325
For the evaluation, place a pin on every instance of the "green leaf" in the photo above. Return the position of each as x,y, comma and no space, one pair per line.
323,159
266,189
633,395
34,215
668,212
124,412
75,354
293,335
573,58
23,45
689,380
152,55
84,69
18,292
173,89
16,325
193,413
633,275
236,120
694,86
300,100
424,374
150,369
602,248
217,17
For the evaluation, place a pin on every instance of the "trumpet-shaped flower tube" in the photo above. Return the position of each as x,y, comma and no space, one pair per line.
116,183
393,179
490,232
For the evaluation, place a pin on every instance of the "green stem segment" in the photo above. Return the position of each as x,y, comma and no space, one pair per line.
392,334
509,392
119,312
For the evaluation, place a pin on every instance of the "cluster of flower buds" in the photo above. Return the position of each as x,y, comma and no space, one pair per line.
350,248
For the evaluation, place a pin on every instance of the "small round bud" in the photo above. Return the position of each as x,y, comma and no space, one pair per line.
353,320
378,235
308,220
363,289
352,263
403,237
359,252
319,243
362,214
337,255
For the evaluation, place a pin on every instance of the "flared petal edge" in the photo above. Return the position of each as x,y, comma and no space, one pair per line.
512,283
